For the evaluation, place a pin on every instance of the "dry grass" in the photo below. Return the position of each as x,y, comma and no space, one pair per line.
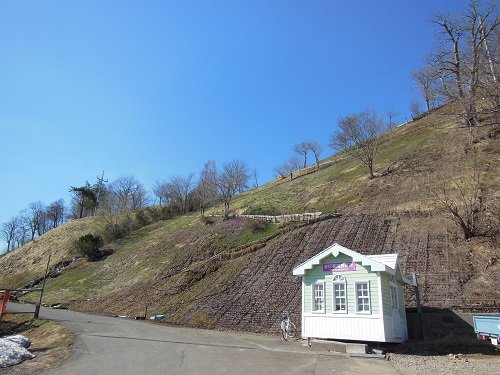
50,343
27,263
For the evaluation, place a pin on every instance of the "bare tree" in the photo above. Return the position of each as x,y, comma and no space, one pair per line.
129,194
122,189
281,170
316,149
391,114
43,222
8,232
206,189
55,213
302,149
107,199
357,134
293,165
490,85
178,189
232,180
21,236
448,61
160,192
157,192
425,80
255,176
464,63
32,218
415,108
480,26
463,203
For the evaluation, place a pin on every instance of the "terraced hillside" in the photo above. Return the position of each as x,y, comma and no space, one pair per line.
266,286
249,289
230,274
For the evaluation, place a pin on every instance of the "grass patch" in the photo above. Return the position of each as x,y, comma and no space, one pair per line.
249,234
50,341
148,253
41,332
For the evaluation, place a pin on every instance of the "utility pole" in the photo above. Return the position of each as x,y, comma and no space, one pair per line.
37,307
100,183
419,308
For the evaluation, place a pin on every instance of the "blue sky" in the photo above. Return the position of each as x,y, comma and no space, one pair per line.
156,88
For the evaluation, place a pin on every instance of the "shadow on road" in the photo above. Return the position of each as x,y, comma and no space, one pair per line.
82,321
172,341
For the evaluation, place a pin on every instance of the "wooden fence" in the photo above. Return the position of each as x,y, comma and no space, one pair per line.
306,216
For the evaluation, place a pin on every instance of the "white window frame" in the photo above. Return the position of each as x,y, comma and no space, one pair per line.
341,281
357,298
323,299
394,296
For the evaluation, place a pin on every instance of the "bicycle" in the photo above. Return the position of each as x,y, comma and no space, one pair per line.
288,329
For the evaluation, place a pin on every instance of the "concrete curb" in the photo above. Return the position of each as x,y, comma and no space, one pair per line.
337,346
365,355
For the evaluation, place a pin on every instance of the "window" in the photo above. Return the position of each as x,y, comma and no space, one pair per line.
394,297
363,297
339,294
319,297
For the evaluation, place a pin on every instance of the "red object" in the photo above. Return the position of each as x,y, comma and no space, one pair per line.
5,296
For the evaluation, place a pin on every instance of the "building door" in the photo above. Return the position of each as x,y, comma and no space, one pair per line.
396,319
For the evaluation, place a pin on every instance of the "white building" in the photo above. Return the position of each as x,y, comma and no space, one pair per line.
350,296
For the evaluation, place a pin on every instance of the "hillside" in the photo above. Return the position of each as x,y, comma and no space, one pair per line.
229,275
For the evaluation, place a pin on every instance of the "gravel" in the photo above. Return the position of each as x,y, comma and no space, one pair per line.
455,364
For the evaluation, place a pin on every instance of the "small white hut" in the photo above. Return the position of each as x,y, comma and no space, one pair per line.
350,296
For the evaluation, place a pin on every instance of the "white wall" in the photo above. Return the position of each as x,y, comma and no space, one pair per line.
344,327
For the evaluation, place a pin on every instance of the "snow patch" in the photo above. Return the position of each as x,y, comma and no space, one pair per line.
13,350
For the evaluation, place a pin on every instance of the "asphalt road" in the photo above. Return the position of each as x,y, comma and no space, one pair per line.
107,345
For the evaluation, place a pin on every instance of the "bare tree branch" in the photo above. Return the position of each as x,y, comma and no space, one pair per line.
301,149
232,180
8,232
206,189
316,149
357,134
463,203
178,189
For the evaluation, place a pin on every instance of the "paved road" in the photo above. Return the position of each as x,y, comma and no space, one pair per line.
107,345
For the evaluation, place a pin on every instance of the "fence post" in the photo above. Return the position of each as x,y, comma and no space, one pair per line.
37,307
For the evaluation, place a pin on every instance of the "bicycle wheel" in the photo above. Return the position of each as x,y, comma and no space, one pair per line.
292,330
284,332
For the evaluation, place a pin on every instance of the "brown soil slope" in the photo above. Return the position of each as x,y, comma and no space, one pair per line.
450,274
453,273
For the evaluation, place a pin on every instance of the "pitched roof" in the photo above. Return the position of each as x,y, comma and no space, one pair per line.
390,260
384,262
